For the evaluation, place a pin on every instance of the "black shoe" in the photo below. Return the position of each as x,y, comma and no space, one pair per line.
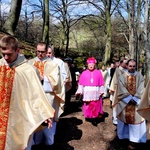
131,146
94,123
105,114
88,119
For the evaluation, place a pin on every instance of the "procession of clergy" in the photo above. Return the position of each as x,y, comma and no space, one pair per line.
129,100
32,96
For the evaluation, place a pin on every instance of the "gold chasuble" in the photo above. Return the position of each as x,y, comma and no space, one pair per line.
50,69
144,106
23,104
129,86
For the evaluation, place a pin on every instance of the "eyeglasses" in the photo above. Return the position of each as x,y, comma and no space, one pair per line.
49,52
132,66
42,52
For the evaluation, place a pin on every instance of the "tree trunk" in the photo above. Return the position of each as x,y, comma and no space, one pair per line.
67,42
13,17
131,14
138,34
26,25
46,22
62,38
108,27
146,41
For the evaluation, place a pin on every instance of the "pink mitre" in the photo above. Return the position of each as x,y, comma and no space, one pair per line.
91,60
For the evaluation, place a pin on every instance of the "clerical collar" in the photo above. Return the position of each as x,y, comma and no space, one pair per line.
52,57
11,64
124,70
132,74
45,58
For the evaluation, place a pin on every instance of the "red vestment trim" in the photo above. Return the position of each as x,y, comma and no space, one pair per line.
40,66
6,84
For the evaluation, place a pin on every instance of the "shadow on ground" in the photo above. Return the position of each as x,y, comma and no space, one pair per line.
67,128
66,131
125,144
74,106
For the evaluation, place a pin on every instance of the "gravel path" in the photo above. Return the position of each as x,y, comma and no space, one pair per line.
74,133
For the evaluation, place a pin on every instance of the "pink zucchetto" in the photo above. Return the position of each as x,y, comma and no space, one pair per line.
91,60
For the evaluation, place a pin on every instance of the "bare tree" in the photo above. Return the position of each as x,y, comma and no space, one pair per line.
135,26
60,11
46,22
25,22
138,33
131,15
64,12
146,39
13,17
40,14
106,10
107,5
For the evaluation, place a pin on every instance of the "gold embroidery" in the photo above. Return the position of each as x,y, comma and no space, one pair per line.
131,84
130,108
6,83
130,113
40,66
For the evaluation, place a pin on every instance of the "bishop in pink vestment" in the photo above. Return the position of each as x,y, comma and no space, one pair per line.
91,86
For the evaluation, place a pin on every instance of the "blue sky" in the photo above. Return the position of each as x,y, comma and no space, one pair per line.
82,8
